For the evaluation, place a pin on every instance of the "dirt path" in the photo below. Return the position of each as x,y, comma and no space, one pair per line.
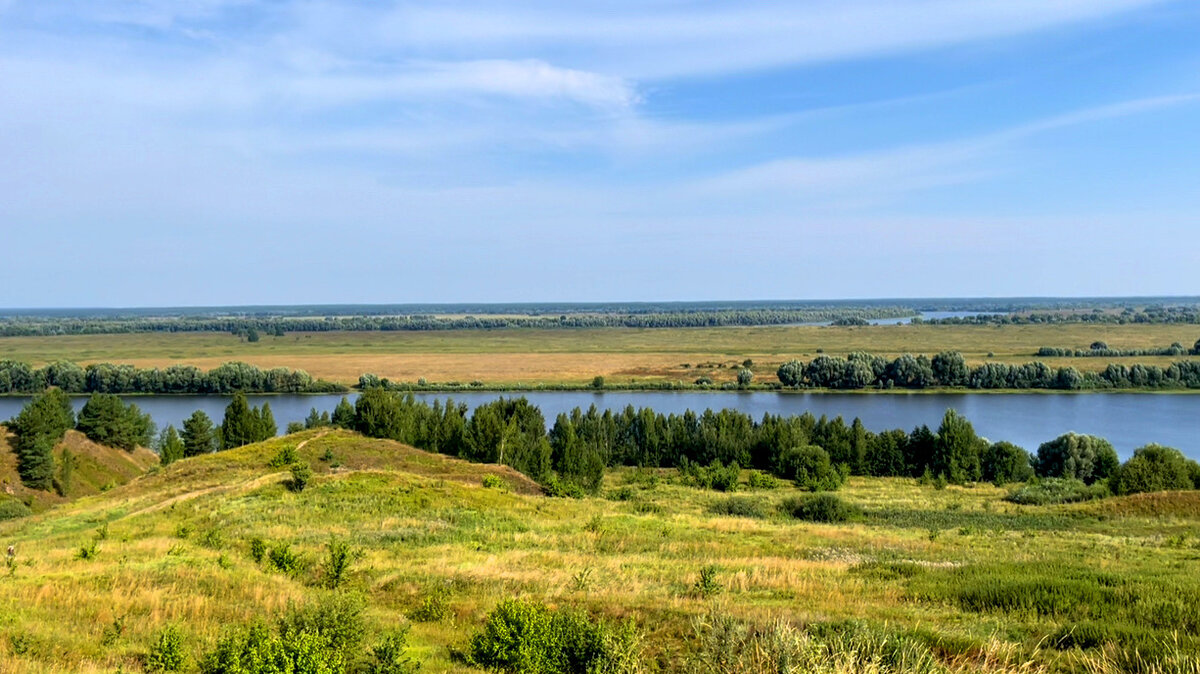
246,485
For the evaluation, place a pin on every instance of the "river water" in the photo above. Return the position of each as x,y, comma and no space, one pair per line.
1128,420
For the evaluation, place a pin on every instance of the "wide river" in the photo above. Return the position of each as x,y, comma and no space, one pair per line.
1128,420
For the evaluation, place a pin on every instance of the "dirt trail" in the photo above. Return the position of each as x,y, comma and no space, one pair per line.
246,485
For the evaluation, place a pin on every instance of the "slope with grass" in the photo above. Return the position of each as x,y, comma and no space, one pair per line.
918,578
95,468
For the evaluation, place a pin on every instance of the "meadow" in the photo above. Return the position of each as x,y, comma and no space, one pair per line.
621,355
950,578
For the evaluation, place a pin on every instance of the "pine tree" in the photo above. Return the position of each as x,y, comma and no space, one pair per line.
240,426
170,446
343,414
198,435
956,451
266,428
35,462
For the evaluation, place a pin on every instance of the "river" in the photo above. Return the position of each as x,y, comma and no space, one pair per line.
1128,420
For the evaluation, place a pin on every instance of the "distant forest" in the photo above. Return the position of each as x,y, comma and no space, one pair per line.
253,321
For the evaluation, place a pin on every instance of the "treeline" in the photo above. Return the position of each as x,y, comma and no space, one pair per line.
711,447
1146,315
949,369
279,325
18,377
1100,349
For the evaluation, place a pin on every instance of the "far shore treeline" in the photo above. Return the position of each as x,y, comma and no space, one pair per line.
18,377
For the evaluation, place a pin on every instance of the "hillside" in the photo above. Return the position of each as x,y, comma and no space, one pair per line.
96,469
927,580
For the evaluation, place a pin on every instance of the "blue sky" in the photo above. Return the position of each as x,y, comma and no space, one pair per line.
174,152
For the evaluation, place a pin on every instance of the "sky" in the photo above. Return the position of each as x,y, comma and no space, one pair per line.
232,152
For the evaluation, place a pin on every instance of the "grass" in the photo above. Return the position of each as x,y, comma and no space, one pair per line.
519,356
957,579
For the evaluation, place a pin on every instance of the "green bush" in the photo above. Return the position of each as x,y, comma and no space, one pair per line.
388,657
1154,468
1052,490
285,457
707,584
339,557
433,606
759,480
11,509
301,474
166,655
1004,462
810,467
825,508
739,506
282,559
715,475
526,637
258,549
494,482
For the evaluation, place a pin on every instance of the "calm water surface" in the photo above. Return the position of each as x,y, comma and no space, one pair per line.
1128,420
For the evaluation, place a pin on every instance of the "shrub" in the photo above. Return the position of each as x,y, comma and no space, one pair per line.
810,467
339,557
282,559
707,584
739,506
713,476
494,482
388,657
258,549
1155,468
433,606
285,457
759,480
598,382
552,486
820,508
1052,490
301,474
11,508
87,551
525,636
166,655
294,427
1004,462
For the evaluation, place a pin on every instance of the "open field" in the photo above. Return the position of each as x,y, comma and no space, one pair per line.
575,356
982,584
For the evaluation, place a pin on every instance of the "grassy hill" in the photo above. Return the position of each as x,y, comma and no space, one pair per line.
95,469
925,580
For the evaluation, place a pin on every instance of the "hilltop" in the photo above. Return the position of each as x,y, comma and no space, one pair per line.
924,579
96,468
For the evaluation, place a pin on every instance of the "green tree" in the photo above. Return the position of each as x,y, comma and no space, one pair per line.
108,421
38,427
343,414
956,450
66,472
744,377
241,426
1154,468
950,369
35,462
1083,457
199,436
809,466
266,424
170,446
1004,462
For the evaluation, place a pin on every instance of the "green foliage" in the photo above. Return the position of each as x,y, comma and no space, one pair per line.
1053,490
525,637
282,558
956,450
12,508
824,508
810,467
758,480
744,377
38,427
199,436
707,583
108,421
66,472
598,382
167,654
1155,468
244,425
170,446
88,551
1082,457
343,414
258,549
740,506
493,481
389,655
1004,462
715,475
301,474
338,559
434,605
286,456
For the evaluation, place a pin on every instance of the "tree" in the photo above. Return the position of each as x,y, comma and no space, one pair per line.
1196,348
379,413
343,414
199,436
1099,346
266,425
791,373
35,462
170,446
956,450
108,421
950,369
241,426
1154,468
598,382
810,467
744,377
574,461
1004,462
1083,457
